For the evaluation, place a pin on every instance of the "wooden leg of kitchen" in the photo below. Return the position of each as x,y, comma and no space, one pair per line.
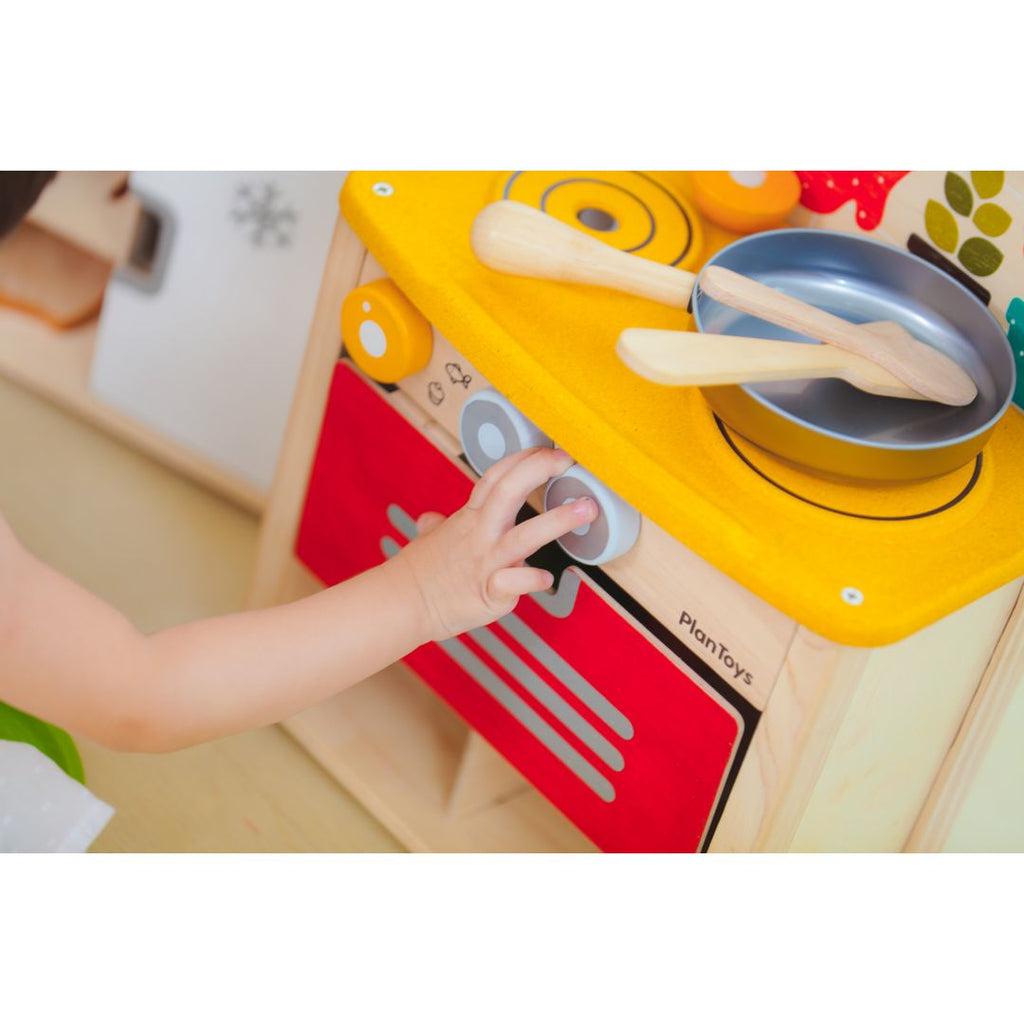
793,737
280,521
973,742
484,778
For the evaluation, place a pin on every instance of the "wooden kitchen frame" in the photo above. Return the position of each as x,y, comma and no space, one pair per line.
856,749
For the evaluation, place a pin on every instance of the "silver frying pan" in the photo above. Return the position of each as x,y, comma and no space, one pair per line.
824,425
827,425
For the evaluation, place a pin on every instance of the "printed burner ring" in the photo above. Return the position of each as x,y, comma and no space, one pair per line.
747,459
629,210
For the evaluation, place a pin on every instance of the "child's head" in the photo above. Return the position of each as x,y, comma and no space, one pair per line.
18,192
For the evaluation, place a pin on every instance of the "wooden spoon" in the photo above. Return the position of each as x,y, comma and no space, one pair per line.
517,239
692,358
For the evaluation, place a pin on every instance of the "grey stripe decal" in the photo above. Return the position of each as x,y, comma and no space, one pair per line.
567,675
389,546
402,522
518,708
534,685
564,598
561,603
529,719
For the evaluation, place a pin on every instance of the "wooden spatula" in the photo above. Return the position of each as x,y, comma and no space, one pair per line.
692,358
517,239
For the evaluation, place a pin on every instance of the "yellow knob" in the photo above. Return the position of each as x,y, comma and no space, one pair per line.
384,333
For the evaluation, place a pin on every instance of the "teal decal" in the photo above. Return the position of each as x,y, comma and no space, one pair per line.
1015,316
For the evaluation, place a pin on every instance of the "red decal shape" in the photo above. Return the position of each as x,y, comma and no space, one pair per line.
826,191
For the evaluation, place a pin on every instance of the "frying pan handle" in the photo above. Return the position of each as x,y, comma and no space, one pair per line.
517,239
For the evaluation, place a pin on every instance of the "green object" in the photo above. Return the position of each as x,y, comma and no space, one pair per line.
958,194
1015,316
980,257
941,226
987,183
55,743
993,220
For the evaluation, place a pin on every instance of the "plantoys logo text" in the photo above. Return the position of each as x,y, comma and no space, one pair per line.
723,654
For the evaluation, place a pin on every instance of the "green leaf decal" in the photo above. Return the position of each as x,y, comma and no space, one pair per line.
958,194
987,183
991,219
980,257
941,226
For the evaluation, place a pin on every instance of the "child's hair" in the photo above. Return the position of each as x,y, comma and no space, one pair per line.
18,192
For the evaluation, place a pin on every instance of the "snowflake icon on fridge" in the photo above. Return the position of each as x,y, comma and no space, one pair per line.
259,210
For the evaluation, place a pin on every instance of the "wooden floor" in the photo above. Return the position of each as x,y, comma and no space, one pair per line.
165,551
258,792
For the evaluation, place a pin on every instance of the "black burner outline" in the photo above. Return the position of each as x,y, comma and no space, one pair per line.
842,512
652,230
611,184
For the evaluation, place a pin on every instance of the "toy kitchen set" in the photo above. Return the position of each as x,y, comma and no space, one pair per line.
797,622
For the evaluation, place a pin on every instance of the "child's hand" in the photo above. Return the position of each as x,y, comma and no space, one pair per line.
470,568
71,659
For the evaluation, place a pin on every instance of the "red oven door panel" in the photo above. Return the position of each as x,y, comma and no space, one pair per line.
628,744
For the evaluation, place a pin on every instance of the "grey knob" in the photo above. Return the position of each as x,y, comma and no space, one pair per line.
491,427
611,534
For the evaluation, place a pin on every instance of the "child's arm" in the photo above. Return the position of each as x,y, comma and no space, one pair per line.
68,657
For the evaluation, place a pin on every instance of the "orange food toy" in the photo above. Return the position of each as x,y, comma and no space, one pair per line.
746,201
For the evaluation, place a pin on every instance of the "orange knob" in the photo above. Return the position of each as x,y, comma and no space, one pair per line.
746,201
387,337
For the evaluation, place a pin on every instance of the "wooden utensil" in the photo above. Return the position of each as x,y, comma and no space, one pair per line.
517,239
925,369
692,358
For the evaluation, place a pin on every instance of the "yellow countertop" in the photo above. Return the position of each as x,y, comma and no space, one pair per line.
914,553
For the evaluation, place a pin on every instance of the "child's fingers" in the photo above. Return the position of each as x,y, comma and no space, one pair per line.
427,522
507,496
518,580
522,541
493,474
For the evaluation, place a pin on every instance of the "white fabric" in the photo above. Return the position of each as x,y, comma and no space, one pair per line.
43,810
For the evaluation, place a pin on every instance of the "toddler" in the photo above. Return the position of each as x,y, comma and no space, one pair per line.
70,658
